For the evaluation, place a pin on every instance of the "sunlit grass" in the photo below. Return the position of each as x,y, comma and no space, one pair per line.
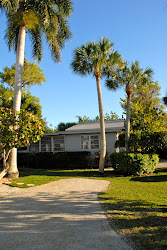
138,208
45,176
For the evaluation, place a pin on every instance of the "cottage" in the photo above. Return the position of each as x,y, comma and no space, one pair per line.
81,137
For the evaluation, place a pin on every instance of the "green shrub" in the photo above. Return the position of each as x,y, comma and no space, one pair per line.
59,160
134,163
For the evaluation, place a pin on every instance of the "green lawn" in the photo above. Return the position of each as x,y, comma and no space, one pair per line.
136,206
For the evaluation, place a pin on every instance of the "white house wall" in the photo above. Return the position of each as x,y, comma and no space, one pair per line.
110,142
73,143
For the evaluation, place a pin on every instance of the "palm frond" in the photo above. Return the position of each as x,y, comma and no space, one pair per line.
36,39
12,32
9,6
112,84
39,16
95,57
64,6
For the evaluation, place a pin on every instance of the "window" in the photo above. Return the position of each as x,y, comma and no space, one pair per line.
58,142
34,147
46,144
23,149
89,142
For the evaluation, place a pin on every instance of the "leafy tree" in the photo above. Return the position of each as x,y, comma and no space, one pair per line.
107,117
37,18
93,59
49,127
29,103
128,76
17,132
111,116
62,126
148,120
147,123
32,75
83,119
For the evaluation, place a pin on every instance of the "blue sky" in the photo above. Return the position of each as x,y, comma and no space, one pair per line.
137,28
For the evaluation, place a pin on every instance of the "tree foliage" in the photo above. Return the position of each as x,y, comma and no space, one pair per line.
107,117
40,18
62,126
32,75
18,131
128,76
96,57
29,103
148,120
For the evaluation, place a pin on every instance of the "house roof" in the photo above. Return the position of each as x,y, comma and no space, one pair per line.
92,127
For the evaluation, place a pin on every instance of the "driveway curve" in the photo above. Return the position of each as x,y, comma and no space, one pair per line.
64,214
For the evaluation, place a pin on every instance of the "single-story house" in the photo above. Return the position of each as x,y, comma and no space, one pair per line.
84,136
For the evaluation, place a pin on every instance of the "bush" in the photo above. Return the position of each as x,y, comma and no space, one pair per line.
134,163
60,160
97,159
155,142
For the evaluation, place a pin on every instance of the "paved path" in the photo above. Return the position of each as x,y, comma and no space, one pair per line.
65,214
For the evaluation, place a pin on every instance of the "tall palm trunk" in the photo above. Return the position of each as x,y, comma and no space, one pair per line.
13,170
102,125
127,124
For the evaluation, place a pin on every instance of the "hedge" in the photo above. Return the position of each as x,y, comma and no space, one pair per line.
49,160
134,163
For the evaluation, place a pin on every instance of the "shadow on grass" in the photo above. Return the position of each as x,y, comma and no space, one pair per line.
161,176
65,173
145,223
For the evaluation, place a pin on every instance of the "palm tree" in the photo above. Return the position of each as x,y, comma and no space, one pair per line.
93,59
128,76
35,18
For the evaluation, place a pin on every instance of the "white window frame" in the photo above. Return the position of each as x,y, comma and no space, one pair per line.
63,142
89,142
48,145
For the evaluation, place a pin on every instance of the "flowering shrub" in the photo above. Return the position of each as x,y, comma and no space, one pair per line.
18,129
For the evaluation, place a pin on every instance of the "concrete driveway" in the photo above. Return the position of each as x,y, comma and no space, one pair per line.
65,214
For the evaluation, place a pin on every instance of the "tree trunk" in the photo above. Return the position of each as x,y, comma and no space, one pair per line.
13,170
102,125
127,124
4,158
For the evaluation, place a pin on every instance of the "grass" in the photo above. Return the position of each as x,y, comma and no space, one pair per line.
136,206
39,177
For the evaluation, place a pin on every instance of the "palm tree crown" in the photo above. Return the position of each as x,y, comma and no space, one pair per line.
38,17
128,75
95,57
